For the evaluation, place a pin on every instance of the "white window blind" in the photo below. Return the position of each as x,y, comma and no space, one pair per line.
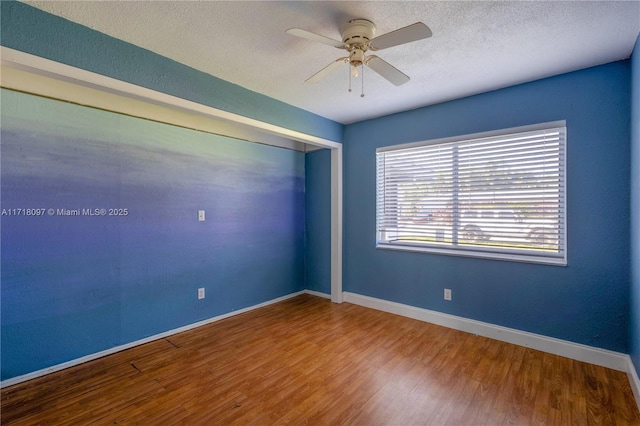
500,195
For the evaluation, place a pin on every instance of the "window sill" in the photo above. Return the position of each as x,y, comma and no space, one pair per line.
524,258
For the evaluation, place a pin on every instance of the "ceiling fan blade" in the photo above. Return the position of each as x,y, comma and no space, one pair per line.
386,70
326,70
413,32
315,37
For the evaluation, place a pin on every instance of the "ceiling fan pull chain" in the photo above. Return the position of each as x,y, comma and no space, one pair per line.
362,72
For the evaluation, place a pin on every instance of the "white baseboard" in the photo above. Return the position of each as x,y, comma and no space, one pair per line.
91,357
610,359
605,358
317,293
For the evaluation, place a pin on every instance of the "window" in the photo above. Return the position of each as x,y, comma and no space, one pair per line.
499,195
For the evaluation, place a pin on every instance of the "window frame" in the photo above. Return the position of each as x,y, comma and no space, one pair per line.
559,258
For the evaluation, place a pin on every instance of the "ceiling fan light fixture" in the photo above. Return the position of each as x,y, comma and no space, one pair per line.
354,73
358,37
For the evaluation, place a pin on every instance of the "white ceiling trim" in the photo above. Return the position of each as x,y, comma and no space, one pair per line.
40,76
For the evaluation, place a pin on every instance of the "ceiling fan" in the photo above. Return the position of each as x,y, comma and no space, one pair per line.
357,39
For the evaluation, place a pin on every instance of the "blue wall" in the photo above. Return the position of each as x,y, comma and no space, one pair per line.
75,283
33,31
634,328
587,301
318,221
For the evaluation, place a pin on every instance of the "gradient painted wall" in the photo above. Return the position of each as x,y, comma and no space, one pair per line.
33,31
585,302
634,326
78,280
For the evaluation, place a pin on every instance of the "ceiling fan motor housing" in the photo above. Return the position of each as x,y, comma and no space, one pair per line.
358,32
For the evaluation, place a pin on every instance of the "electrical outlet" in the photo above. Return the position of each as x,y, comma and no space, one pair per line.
447,294
201,293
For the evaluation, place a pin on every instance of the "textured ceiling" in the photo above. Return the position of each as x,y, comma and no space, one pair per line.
476,46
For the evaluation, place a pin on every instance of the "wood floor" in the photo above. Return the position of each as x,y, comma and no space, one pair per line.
308,361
